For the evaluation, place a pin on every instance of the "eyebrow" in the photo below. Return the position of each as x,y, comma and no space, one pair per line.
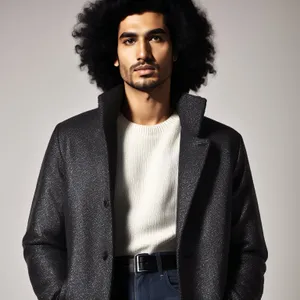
150,32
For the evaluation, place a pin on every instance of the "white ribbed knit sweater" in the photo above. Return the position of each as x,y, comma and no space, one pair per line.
146,186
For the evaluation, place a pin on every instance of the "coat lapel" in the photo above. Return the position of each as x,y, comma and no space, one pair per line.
109,109
192,156
193,148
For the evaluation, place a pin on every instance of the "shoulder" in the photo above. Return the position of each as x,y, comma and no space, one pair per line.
214,129
224,138
79,124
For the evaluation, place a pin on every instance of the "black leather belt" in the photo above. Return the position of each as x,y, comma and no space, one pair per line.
144,262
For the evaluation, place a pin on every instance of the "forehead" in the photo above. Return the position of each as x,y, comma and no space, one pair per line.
140,23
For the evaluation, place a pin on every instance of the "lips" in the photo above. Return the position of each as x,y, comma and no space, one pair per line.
144,68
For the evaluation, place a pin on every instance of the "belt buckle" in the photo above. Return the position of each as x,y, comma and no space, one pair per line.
136,264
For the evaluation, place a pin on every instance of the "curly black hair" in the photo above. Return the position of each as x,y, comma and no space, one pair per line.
190,30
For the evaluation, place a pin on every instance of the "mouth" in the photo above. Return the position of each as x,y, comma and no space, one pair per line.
145,71
147,67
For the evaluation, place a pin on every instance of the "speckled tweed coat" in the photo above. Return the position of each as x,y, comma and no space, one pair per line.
68,244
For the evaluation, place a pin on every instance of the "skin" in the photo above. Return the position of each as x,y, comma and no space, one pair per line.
145,40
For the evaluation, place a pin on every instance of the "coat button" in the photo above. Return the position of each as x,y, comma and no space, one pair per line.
105,255
106,203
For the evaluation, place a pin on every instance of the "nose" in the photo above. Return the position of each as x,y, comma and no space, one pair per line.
144,50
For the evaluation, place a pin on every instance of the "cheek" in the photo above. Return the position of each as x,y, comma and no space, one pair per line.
124,59
165,62
163,55
124,66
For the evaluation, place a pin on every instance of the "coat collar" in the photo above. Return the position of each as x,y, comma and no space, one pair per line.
190,109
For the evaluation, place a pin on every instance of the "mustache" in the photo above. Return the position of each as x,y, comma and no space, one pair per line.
144,64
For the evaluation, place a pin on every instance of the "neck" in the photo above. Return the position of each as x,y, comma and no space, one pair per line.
147,108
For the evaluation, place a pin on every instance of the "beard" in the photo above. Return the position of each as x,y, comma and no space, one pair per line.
144,85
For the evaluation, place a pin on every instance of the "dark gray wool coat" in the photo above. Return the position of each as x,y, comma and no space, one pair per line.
68,244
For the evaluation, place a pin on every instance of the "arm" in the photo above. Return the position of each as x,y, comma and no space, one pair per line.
44,241
248,252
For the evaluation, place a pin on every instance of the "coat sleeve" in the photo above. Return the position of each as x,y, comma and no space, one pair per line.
43,244
248,251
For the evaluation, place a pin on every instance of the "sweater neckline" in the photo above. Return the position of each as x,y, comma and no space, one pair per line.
149,129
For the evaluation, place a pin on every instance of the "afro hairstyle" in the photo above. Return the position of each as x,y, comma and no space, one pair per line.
190,30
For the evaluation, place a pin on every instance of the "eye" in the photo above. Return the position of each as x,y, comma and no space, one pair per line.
129,41
156,38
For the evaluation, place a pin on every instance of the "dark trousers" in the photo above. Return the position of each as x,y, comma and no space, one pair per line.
161,285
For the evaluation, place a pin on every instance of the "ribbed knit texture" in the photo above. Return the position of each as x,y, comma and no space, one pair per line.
146,186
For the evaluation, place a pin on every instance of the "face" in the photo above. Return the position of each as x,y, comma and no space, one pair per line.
144,51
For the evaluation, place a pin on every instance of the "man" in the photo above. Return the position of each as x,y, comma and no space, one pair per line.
145,197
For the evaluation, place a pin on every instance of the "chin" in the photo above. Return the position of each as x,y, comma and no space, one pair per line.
146,85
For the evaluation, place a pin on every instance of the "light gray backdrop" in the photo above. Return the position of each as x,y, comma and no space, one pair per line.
255,92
